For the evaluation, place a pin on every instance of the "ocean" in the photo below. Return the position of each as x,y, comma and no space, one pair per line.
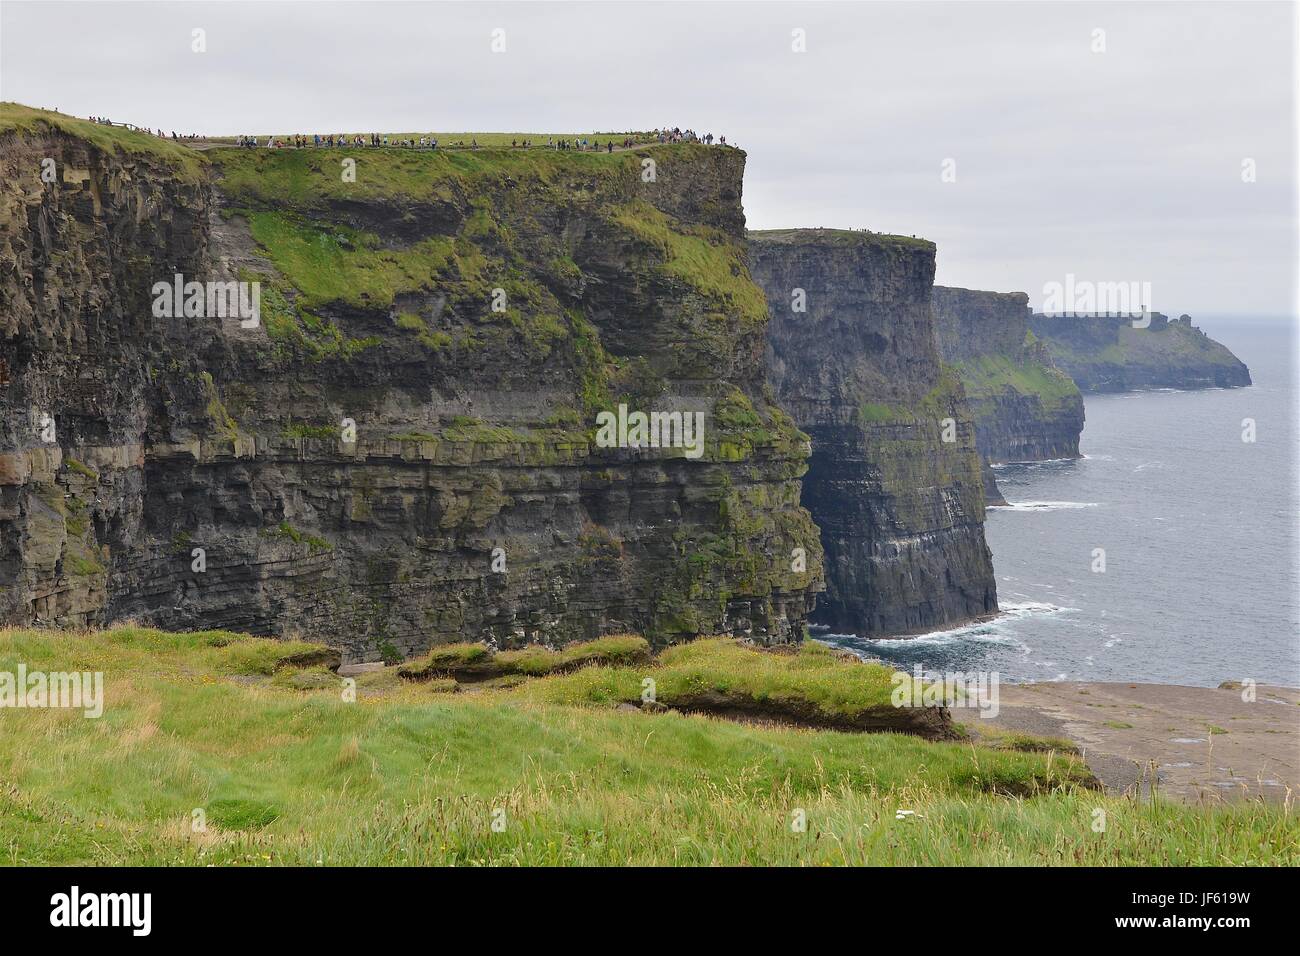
1199,532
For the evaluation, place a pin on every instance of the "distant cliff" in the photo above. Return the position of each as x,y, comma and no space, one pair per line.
852,356
1107,354
400,451
1026,409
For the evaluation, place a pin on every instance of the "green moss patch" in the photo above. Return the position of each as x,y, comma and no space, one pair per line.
706,259
81,469
287,532
989,375
333,263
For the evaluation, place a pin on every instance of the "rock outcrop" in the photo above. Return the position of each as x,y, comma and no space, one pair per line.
1025,407
852,356
401,450
1107,353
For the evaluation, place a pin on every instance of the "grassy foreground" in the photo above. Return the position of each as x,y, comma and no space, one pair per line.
285,769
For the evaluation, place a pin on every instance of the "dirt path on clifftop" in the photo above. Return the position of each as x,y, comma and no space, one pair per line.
1203,745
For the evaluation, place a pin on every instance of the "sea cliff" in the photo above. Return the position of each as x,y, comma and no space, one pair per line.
894,481
1025,407
401,450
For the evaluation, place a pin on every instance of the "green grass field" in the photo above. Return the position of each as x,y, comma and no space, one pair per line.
284,769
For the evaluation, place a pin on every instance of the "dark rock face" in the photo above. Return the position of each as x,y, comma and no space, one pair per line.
1105,353
900,509
1026,409
970,323
77,258
473,502
992,493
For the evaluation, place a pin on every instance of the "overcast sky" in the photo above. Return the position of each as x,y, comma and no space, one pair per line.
1124,165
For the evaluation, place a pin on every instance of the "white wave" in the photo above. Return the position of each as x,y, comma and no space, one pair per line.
1098,457
1042,506
993,631
1032,463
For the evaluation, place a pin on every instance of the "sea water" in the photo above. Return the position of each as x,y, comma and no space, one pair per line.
1197,529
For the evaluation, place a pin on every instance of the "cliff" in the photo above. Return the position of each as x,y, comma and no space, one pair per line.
900,509
401,449
1026,409
1105,353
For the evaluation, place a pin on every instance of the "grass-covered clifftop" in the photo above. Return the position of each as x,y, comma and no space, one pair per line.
14,117
842,238
216,748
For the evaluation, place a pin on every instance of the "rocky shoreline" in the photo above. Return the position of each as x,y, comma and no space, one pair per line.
1192,744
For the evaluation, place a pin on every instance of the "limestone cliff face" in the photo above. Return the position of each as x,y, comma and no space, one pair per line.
77,256
1026,409
1105,353
469,315
900,509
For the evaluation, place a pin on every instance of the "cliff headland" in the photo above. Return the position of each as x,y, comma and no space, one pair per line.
1111,353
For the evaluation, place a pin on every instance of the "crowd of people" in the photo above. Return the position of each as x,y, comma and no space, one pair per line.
179,137
334,140
583,144
331,140
677,135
